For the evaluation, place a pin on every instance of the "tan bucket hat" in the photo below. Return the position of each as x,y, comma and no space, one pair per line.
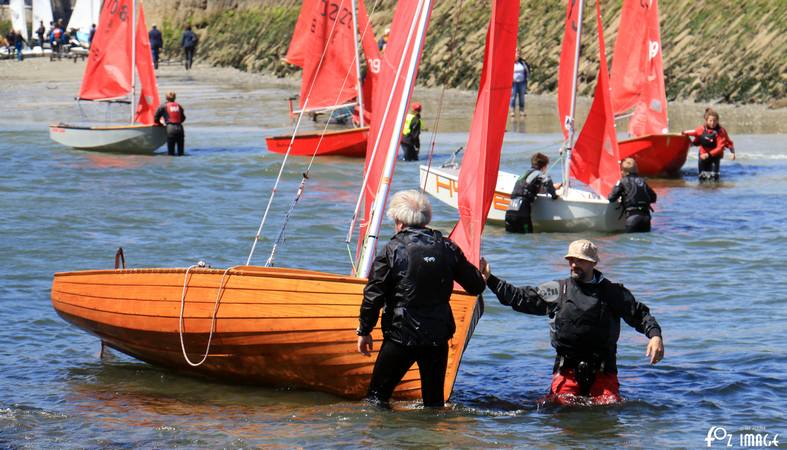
583,249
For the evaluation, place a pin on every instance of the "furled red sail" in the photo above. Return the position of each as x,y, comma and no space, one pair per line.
301,35
392,99
149,97
568,63
637,78
329,76
480,165
594,159
108,73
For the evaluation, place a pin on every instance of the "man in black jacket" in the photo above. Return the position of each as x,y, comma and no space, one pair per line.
189,43
156,43
413,278
635,195
584,319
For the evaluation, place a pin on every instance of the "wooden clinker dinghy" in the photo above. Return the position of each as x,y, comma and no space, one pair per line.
273,327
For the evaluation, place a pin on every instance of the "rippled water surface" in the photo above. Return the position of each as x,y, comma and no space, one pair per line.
711,271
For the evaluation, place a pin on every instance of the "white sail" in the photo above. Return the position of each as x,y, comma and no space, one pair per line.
18,17
42,12
85,14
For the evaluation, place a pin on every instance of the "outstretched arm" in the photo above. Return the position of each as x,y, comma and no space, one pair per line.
523,299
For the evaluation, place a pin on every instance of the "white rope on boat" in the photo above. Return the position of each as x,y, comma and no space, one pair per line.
213,317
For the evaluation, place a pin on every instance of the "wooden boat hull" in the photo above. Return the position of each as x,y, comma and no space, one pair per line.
660,155
133,139
350,142
274,327
573,212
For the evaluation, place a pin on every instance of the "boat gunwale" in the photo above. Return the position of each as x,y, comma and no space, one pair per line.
104,128
318,133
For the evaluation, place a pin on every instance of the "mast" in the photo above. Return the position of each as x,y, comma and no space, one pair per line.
356,36
376,216
133,59
570,143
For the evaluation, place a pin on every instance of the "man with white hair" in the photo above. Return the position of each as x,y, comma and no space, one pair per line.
584,320
412,278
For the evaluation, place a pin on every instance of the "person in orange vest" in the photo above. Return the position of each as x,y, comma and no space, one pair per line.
174,116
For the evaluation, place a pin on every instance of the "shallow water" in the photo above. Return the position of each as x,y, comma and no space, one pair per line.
710,271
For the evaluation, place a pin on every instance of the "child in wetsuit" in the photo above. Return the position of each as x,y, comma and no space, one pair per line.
712,139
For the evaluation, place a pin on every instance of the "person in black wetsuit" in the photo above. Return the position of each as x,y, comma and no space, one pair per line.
412,278
635,196
529,185
173,116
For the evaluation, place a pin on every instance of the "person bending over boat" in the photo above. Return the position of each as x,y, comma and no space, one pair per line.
529,185
635,196
173,116
412,278
712,139
584,319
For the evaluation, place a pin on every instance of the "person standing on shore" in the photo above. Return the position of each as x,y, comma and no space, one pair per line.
156,43
19,45
91,35
635,195
411,281
584,320
40,31
189,43
173,116
712,139
519,87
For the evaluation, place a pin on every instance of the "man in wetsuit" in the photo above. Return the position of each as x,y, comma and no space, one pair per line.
584,319
173,116
529,185
411,134
636,197
412,278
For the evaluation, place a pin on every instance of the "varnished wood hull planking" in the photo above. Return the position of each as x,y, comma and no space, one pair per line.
274,327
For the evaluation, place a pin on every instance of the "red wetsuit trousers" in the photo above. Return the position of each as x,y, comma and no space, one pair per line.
565,388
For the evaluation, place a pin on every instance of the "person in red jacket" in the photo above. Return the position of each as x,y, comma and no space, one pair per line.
712,139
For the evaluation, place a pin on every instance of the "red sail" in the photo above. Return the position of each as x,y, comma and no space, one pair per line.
329,76
372,54
568,61
480,165
149,97
108,72
301,35
637,78
391,99
594,159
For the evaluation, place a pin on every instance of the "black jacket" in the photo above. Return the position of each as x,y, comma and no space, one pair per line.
189,39
635,194
594,334
156,39
413,278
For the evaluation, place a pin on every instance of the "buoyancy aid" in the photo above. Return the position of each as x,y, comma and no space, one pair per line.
408,123
174,114
584,329
526,189
635,194
708,138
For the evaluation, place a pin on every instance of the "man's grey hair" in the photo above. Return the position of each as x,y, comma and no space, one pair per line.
411,207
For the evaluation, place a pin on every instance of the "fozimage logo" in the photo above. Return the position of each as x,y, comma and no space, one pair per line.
750,437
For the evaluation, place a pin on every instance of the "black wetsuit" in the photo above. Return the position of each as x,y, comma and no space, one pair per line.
411,140
176,136
636,197
526,189
412,278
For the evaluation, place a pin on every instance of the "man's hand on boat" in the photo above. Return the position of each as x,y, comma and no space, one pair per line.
365,345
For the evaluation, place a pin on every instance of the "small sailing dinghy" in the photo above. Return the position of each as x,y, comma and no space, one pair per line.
593,160
120,52
637,83
325,45
283,326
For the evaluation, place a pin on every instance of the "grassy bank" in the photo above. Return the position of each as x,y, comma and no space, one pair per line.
722,51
